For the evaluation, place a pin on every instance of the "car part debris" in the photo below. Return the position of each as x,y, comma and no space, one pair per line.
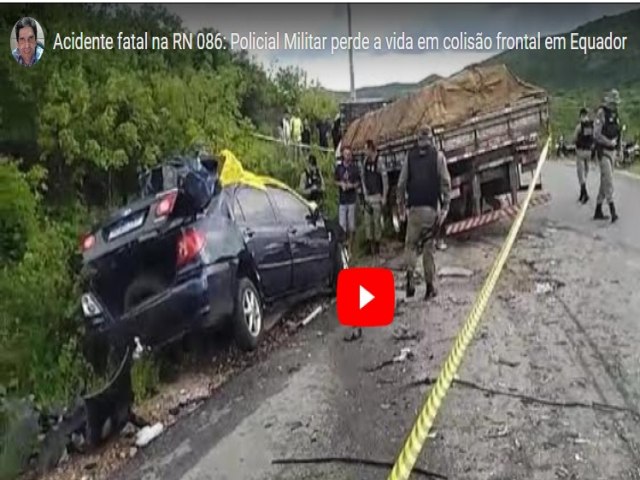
148,434
311,316
455,272
405,354
543,288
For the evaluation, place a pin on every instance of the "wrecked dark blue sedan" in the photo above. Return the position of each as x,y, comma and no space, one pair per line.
167,264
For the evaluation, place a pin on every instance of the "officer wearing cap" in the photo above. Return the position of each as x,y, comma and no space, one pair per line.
583,139
425,181
606,132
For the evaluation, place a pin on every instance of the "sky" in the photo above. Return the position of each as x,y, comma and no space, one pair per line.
373,67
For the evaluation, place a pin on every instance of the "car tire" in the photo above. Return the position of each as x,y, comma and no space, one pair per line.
248,318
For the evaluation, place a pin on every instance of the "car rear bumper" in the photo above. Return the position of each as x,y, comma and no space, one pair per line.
158,320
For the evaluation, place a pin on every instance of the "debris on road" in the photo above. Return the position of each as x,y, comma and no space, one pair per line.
508,363
543,288
459,272
311,316
405,354
148,434
527,399
402,334
501,432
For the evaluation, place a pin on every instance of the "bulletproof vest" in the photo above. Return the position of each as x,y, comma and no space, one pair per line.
423,187
611,126
313,178
585,137
372,178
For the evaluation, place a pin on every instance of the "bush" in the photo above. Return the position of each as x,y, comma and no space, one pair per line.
38,327
17,213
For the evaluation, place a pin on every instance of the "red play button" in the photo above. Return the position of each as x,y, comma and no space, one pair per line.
366,297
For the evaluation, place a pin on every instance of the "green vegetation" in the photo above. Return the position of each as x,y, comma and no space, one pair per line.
571,70
74,133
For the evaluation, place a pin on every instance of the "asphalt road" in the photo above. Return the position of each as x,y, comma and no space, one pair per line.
554,370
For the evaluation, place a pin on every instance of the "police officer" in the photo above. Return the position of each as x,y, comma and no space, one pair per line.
583,138
425,180
606,132
311,181
375,186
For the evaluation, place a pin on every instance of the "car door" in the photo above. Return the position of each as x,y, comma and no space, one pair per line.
310,243
267,240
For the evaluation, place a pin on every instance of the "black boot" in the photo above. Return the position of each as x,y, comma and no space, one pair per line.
598,215
612,209
584,196
430,292
376,248
410,287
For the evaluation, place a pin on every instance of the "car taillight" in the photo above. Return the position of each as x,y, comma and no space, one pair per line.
189,246
87,242
165,207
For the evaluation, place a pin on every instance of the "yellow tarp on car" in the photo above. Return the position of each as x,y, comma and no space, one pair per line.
233,173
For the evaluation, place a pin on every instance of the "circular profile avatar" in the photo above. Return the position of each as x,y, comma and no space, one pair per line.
27,41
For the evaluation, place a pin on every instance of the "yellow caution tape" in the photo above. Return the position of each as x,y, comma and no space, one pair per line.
234,173
418,435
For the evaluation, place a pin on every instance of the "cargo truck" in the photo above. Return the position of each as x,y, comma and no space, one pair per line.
490,125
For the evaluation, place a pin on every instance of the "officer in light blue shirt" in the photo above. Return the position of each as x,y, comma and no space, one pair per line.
30,48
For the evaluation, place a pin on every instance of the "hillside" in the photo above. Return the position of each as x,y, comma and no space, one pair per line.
571,69
389,90
560,70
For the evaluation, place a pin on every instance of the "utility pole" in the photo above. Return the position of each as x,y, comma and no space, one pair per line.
353,84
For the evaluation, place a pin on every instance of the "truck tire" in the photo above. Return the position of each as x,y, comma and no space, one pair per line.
247,319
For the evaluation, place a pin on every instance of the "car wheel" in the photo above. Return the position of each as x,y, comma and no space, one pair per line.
248,316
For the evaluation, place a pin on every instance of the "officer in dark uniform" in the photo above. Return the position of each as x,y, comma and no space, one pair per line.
607,137
375,186
311,182
426,181
583,138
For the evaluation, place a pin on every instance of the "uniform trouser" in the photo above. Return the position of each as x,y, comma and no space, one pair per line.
606,161
421,222
582,165
372,218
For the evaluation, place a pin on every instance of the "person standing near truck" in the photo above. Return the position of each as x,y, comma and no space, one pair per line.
583,138
606,132
375,187
347,177
425,180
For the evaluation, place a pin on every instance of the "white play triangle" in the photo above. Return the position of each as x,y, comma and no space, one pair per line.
365,296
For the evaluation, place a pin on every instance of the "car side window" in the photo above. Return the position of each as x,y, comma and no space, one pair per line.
291,209
255,207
